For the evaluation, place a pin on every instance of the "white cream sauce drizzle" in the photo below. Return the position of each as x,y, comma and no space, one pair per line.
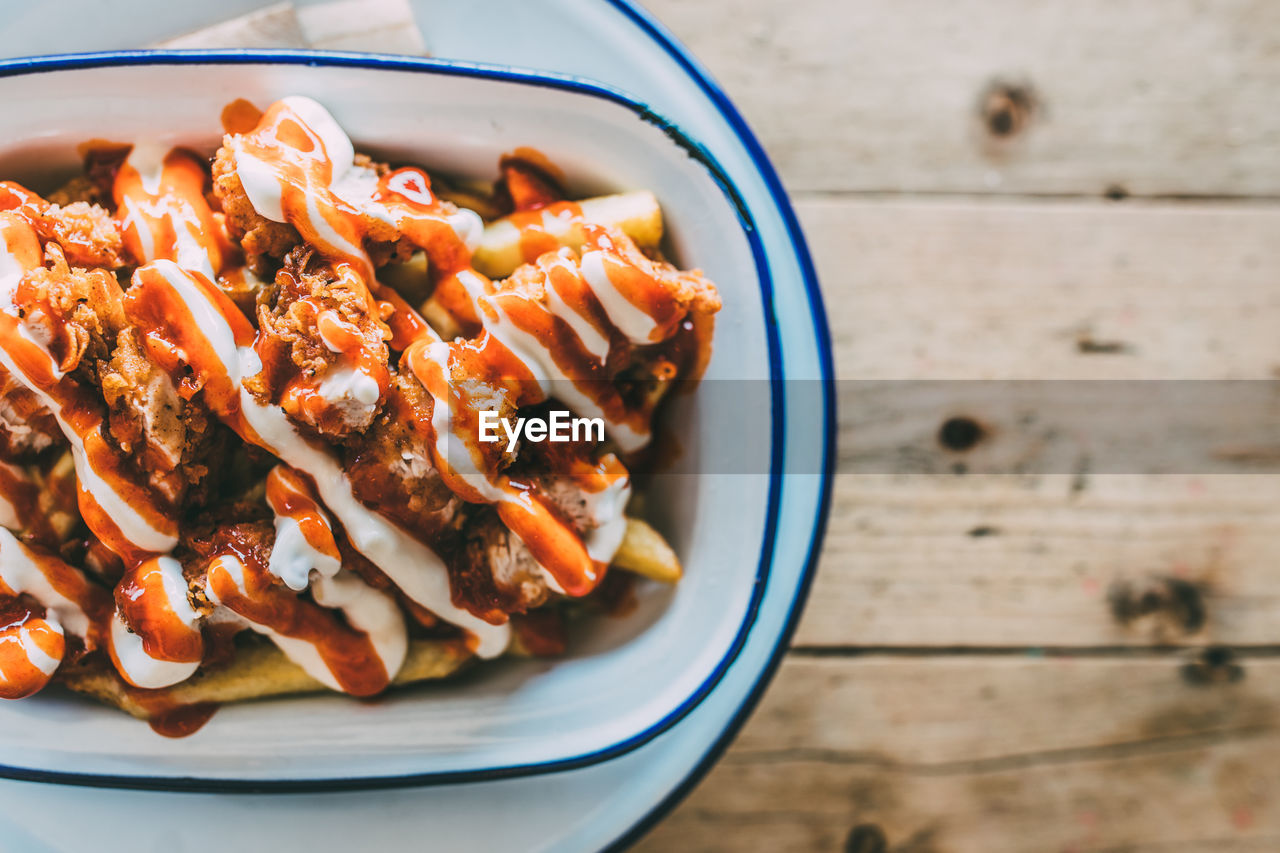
366,609
135,664
21,572
411,565
147,159
140,668
38,657
132,525
356,185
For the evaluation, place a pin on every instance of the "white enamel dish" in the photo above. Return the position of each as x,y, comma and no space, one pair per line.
601,805
625,679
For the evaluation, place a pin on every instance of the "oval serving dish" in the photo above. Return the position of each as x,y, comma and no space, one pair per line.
625,680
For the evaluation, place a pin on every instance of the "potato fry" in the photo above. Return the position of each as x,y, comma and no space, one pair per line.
409,279
636,213
258,671
645,552
439,318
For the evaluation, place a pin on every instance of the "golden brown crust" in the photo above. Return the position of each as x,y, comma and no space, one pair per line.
169,437
80,188
293,350
260,238
79,311
389,464
86,232
266,243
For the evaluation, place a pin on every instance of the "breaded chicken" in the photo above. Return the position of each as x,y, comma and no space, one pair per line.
86,233
390,468
80,188
266,243
171,439
79,316
323,346
76,313
495,572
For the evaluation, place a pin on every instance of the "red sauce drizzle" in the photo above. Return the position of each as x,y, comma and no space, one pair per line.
19,675
348,653
144,604
171,218
290,494
80,407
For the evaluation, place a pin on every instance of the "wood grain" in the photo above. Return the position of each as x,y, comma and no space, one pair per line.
982,754
1170,98
931,560
962,566
1010,289
932,290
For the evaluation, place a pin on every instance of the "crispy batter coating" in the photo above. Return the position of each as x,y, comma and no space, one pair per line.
261,239
86,233
78,312
495,572
80,188
79,315
170,438
390,467
266,243
302,371
690,289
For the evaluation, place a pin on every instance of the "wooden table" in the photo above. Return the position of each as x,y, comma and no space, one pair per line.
1051,659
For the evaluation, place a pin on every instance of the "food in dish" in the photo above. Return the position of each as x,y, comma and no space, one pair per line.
249,416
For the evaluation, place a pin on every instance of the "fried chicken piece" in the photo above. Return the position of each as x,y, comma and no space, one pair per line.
80,188
171,439
259,237
76,313
27,428
323,348
86,233
389,464
266,243
494,572
79,316
686,291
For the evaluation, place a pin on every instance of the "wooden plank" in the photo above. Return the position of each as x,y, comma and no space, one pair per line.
1007,290
1146,98
931,560
972,754
943,558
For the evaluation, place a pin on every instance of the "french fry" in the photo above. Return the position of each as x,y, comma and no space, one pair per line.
645,552
409,278
439,318
636,213
259,671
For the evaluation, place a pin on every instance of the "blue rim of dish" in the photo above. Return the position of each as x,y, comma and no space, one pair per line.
694,69
563,82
